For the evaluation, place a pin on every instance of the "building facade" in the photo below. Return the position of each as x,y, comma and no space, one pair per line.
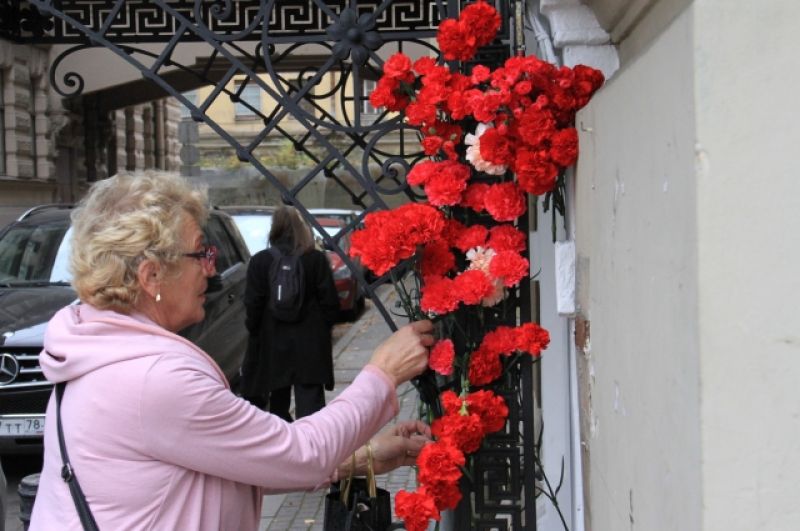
684,336
52,148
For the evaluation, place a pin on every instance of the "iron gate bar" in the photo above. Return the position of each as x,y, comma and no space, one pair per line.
503,493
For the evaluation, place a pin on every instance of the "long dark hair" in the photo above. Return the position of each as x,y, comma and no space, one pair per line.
290,230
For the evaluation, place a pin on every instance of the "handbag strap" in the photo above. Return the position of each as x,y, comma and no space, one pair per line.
373,491
67,474
344,492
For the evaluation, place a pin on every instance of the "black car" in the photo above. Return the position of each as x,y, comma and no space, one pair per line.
34,284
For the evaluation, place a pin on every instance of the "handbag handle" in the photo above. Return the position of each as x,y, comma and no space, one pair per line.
373,491
344,493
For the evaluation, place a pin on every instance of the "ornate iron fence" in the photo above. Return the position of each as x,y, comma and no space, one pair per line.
310,57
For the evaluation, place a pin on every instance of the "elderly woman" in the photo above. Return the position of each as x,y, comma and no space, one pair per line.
153,432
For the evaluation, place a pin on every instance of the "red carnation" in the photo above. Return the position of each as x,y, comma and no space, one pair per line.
465,432
474,196
472,236
452,231
421,172
437,259
496,147
484,367
472,286
391,236
501,341
456,41
438,296
415,509
532,338
483,21
439,462
398,66
509,266
506,238
451,402
535,125
424,64
491,408
505,201
446,495
479,74
564,147
447,184
442,355
432,144
420,113
534,171
387,94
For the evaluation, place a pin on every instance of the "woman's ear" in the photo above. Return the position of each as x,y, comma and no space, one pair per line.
149,276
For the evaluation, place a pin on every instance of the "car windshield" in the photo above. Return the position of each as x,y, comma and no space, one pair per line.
35,255
254,229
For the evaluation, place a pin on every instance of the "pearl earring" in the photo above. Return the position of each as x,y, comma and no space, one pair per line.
158,297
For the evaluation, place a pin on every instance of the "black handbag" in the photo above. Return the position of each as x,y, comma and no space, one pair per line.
356,504
68,475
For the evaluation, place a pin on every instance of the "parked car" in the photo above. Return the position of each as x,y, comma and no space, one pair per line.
347,216
348,286
253,223
34,284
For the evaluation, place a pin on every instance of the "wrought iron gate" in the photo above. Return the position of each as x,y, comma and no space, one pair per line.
302,54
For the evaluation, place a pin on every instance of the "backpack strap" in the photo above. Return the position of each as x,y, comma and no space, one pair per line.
67,474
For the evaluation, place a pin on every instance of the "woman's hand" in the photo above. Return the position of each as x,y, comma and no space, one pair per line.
395,447
399,446
405,353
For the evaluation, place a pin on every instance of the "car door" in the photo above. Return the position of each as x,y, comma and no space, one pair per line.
222,334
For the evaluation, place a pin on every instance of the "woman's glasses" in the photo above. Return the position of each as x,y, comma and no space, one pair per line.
207,256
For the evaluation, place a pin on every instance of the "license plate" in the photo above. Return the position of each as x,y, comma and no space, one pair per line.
21,426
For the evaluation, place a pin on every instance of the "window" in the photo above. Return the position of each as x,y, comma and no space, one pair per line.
2,123
192,97
367,88
35,253
249,101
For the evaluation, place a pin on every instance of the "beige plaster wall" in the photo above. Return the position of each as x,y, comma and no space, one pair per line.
748,206
636,235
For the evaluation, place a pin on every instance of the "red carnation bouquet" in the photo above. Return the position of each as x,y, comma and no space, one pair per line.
493,136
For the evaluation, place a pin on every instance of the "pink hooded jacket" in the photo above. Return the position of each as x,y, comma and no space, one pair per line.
158,441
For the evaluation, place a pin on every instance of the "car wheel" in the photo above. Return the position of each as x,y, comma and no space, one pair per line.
353,313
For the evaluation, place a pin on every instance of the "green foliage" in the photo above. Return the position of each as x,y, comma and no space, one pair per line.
285,156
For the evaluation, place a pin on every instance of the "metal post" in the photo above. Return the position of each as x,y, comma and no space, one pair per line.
27,495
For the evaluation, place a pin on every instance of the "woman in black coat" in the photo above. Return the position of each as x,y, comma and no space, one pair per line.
298,354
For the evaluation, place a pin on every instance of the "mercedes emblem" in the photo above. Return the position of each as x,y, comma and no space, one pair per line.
9,368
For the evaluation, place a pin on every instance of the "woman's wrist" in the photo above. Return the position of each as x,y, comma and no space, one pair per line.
386,375
346,469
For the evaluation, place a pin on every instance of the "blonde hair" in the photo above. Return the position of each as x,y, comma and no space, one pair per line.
122,221
289,227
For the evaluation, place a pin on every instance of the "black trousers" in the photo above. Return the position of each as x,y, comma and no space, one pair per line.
308,399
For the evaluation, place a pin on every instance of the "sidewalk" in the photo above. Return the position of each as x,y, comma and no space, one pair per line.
305,510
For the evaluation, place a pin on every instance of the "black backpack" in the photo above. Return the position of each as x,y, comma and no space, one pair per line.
286,286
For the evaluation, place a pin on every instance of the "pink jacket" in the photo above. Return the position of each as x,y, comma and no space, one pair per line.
158,441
